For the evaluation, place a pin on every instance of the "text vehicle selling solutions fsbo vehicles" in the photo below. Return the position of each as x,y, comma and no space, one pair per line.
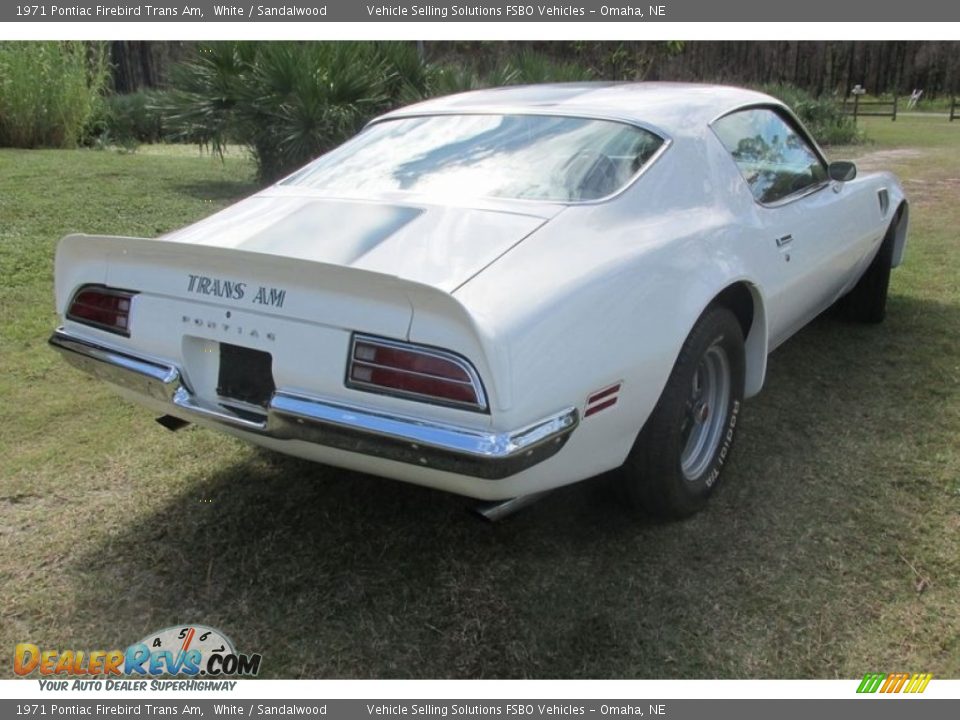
499,292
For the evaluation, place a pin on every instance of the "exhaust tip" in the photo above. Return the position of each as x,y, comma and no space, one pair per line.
500,509
172,423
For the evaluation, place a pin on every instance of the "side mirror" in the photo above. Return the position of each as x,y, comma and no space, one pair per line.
842,171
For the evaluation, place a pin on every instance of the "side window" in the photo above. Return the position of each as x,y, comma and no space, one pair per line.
775,161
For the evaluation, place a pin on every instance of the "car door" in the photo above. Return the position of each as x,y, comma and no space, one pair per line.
808,236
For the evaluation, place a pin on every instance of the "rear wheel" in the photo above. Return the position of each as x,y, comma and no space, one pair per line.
676,462
867,302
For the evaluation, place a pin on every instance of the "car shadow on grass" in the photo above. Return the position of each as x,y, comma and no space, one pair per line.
330,573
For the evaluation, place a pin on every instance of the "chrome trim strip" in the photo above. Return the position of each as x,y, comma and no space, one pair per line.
221,413
478,453
134,373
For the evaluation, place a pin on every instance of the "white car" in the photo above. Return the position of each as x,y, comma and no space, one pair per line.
500,292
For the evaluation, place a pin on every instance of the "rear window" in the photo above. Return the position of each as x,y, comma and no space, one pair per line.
535,157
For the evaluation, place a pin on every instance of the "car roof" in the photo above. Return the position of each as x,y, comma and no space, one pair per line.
674,108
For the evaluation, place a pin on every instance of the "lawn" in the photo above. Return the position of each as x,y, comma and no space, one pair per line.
833,548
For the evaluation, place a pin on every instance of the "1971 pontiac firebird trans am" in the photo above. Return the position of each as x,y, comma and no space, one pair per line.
500,292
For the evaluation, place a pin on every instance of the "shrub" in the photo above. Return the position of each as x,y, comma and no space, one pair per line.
128,120
822,116
534,67
290,101
287,101
301,100
49,91
525,67
201,106
449,79
408,73
131,119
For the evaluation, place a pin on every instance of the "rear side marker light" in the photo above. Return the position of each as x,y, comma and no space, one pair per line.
415,372
102,307
601,400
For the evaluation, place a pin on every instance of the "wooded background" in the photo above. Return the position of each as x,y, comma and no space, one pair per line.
892,67
821,67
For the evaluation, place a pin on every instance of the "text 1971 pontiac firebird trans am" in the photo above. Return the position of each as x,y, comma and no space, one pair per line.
499,292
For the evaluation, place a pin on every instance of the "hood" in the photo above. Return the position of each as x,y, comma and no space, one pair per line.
440,246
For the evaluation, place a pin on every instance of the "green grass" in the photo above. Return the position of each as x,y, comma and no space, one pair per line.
938,104
833,548
915,131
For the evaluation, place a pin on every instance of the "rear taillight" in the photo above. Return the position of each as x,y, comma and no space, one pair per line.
414,371
102,307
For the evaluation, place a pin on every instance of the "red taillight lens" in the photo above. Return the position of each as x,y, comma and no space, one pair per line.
102,307
414,371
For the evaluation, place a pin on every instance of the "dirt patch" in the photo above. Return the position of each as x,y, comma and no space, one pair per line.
883,159
18,498
930,192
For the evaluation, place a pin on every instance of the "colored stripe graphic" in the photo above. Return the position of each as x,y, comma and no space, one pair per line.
918,683
871,682
894,682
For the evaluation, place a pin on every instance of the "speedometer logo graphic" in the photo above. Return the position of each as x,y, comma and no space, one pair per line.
193,650
182,639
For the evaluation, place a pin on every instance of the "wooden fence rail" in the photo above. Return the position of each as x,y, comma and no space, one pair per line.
871,108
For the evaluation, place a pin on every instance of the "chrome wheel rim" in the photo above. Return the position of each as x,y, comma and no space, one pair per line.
705,413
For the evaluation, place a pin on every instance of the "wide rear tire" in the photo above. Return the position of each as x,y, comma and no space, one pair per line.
679,455
867,302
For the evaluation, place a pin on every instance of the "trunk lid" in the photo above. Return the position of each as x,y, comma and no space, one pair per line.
439,246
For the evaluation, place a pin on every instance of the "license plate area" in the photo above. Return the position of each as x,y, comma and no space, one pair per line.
245,375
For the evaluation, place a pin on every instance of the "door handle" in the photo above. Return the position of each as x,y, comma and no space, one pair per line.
784,241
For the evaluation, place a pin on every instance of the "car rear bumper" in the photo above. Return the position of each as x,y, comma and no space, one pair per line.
464,451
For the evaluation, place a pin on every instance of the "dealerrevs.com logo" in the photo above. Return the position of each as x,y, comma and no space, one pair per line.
192,651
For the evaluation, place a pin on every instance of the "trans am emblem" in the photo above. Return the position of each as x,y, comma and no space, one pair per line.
235,290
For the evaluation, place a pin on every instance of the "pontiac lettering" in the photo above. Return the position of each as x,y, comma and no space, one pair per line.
232,328
234,290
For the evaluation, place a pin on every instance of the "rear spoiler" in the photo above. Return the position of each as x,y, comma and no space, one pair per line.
293,288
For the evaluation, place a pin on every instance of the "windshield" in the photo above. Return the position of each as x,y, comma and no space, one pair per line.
534,157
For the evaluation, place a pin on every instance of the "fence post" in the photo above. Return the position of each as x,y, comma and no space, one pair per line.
894,109
953,108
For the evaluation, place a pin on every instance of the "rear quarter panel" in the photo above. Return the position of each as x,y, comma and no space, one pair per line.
608,292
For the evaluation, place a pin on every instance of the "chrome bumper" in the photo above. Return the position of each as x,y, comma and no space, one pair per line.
477,453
